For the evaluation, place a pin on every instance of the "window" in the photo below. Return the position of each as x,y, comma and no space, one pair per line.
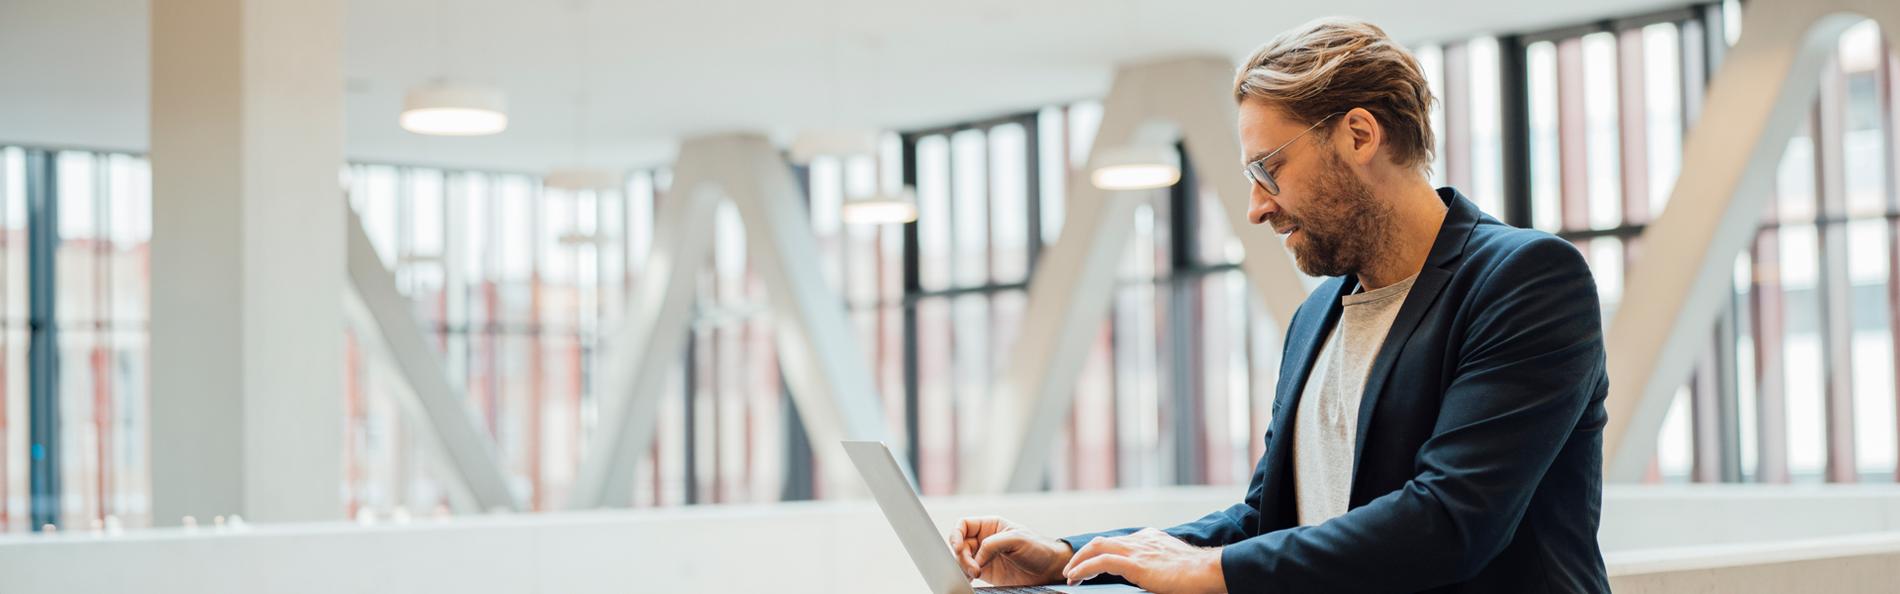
15,458
1797,383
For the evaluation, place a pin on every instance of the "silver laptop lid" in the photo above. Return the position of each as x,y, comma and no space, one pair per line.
907,516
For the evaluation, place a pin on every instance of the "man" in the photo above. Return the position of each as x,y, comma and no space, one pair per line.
1438,421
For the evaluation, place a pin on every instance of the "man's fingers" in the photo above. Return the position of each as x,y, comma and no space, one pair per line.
960,545
1088,550
1100,564
967,529
968,532
977,540
976,528
1000,544
962,554
1099,546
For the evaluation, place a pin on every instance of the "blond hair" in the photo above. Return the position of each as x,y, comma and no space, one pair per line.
1331,65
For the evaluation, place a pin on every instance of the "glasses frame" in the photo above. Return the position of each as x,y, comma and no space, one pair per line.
1256,170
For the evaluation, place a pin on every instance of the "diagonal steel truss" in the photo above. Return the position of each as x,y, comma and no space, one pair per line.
830,379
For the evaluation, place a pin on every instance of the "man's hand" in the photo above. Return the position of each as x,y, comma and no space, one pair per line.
1152,559
1004,554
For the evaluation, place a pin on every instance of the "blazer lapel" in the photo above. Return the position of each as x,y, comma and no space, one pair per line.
1460,217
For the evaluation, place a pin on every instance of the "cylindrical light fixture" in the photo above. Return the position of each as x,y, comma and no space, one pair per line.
444,109
582,178
881,209
1138,166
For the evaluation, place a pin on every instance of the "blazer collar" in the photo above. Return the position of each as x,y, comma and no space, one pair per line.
1461,216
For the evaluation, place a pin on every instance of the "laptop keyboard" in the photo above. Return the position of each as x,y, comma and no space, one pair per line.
1014,590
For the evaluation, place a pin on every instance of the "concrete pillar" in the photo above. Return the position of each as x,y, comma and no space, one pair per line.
247,259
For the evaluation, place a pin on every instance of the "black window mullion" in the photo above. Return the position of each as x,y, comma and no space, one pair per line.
1183,211
1515,129
42,225
1182,326
913,287
1700,45
799,476
1032,191
689,423
800,463
1728,411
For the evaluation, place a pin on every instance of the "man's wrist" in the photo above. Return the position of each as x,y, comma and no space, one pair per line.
1068,554
1213,568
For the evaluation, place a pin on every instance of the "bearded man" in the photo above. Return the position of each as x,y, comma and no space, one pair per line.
1438,421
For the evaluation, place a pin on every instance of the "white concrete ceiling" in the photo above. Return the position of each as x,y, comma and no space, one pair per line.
75,72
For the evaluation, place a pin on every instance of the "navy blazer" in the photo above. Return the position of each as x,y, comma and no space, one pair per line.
1479,458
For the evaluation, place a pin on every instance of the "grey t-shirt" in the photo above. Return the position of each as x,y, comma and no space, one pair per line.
1328,416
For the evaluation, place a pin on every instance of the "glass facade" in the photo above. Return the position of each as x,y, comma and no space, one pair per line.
1796,383
15,453
73,446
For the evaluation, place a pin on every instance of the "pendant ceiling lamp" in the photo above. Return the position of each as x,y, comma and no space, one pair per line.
449,109
881,209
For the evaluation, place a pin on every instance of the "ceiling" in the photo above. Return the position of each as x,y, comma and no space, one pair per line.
75,72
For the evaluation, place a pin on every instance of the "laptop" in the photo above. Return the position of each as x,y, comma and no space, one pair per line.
919,534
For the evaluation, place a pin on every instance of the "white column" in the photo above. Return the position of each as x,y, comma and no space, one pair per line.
247,260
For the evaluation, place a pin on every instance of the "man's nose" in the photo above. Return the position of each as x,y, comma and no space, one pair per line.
1263,206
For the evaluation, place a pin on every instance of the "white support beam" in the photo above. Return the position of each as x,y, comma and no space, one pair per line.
472,471
1074,283
1766,85
1199,103
826,370
648,344
829,377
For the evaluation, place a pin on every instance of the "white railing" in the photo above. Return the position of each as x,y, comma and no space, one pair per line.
1653,537
1842,563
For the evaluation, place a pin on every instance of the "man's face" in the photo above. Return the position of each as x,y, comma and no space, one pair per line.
1327,213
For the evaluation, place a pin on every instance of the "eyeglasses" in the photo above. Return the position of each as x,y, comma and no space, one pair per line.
1257,170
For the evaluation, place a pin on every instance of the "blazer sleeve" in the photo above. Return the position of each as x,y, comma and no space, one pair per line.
1216,529
1531,363
1236,523
1231,525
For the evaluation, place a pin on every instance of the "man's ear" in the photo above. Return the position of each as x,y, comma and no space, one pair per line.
1360,136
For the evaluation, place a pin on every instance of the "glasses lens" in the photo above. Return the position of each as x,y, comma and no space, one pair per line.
1258,171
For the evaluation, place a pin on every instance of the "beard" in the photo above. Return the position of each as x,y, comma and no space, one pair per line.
1342,231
